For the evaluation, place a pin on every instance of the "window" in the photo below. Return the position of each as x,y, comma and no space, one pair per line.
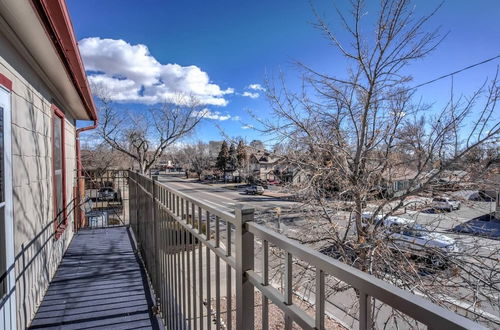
59,176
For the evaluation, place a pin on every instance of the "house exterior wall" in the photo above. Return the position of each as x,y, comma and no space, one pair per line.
37,252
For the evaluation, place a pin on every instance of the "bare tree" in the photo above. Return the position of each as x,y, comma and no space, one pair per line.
145,136
355,134
101,158
197,158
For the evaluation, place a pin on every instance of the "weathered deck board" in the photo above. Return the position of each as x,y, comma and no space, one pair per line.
99,284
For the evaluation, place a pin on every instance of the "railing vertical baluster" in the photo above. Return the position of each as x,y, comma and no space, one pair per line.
184,272
156,239
174,261
288,287
244,261
180,208
167,270
137,210
164,279
160,255
193,248
169,267
177,211
174,268
169,263
217,274
200,265
265,280
320,299
209,286
364,311
229,290
159,247
170,199
178,265
188,238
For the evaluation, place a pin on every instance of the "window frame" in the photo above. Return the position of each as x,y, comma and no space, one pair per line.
7,299
59,228
3,226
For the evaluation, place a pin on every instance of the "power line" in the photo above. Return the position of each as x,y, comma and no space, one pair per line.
458,71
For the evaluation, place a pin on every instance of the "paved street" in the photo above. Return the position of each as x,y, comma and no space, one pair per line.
222,197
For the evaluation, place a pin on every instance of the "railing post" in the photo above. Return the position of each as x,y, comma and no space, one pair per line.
365,321
244,243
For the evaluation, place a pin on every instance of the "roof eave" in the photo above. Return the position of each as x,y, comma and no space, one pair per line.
55,18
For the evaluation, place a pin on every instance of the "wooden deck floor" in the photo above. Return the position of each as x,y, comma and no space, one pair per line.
100,284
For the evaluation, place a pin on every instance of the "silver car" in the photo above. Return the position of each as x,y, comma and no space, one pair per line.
406,235
254,190
445,203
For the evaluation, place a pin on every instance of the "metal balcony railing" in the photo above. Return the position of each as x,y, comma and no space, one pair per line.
105,199
196,254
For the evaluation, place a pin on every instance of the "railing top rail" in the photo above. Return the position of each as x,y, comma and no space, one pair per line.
416,307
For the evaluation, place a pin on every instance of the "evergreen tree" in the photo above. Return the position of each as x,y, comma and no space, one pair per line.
223,157
233,157
241,154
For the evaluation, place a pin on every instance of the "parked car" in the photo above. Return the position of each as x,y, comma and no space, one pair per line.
107,194
420,241
254,190
416,239
445,203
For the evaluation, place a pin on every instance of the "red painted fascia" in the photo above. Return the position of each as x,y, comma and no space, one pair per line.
55,17
6,82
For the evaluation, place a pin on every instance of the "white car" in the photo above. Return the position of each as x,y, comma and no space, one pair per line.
445,203
409,236
254,190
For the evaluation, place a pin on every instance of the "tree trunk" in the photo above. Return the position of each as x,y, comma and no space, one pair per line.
142,168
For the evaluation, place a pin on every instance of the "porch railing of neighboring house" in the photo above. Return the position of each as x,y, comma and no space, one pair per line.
200,258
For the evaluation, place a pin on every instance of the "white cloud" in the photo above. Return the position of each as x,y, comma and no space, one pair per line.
209,114
132,74
256,87
247,127
251,95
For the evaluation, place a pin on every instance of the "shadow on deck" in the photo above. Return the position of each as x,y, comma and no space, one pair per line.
100,283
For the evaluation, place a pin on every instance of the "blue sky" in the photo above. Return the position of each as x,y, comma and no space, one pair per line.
222,47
